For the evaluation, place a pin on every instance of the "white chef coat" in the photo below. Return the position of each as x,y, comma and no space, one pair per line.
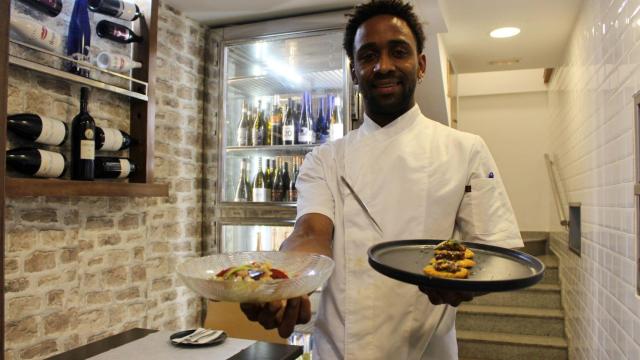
411,174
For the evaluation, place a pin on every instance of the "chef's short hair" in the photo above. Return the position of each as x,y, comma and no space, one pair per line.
364,12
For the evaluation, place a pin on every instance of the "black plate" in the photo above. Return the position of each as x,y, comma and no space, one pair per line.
497,269
219,340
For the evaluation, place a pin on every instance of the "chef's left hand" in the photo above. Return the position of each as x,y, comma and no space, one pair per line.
453,298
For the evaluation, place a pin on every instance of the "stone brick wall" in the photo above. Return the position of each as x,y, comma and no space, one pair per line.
81,269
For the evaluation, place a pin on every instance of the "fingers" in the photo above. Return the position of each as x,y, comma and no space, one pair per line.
453,298
251,311
289,318
268,315
304,316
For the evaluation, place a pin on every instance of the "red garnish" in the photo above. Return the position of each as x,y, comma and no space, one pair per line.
222,272
278,274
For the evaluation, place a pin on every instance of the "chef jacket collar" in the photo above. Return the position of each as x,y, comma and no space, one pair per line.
401,123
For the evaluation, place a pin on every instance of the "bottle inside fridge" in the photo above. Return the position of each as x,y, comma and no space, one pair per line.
277,94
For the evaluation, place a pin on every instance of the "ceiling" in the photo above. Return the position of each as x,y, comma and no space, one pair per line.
546,25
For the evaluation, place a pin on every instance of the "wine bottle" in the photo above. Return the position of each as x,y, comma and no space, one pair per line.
259,186
35,128
116,62
305,134
116,32
242,134
113,167
296,122
243,189
79,38
322,128
37,162
49,7
259,127
292,193
267,124
268,180
83,141
120,9
276,125
276,191
286,182
34,33
336,127
288,127
108,139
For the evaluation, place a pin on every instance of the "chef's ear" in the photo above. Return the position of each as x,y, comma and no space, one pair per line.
422,64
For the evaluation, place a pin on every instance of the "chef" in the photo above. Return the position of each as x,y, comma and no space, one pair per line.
419,179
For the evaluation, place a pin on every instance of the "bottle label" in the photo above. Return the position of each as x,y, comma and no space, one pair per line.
53,132
336,131
125,168
305,136
257,138
87,150
287,133
113,139
260,195
243,138
51,164
292,195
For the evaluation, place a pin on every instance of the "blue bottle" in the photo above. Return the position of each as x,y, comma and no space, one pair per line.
79,37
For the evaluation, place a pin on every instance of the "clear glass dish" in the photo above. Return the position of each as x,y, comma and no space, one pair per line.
307,272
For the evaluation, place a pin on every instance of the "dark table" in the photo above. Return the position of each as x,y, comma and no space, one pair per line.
259,350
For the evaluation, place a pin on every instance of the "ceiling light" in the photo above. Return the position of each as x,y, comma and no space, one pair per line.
504,32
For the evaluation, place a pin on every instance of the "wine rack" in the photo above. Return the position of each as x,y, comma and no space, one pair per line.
139,88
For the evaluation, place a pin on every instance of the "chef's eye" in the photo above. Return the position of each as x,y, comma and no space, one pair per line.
367,56
399,52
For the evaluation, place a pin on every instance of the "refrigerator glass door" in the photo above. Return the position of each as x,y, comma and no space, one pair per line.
235,237
264,81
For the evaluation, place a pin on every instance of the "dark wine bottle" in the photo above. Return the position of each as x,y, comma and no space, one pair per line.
37,162
113,167
49,7
288,127
108,139
41,130
116,32
79,38
286,182
83,130
120,9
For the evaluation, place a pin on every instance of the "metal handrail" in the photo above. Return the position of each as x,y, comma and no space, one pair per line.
557,190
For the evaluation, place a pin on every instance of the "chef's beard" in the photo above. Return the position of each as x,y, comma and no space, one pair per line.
393,108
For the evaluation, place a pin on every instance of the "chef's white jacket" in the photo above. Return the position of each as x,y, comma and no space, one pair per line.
411,174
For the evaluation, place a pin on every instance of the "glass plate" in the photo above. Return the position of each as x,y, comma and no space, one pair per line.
306,271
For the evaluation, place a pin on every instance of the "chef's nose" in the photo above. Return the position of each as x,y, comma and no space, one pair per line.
384,64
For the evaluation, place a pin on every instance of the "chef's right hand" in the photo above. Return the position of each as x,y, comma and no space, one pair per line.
283,315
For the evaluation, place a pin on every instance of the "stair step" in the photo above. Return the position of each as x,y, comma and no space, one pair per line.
511,320
502,346
545,296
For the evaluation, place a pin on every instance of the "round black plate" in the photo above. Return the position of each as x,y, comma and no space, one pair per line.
219,340
497,269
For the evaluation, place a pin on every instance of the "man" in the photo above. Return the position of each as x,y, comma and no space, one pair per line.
412,173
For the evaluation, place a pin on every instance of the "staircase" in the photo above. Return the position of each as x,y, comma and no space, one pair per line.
517,325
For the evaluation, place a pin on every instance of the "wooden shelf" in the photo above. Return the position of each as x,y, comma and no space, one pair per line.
19,187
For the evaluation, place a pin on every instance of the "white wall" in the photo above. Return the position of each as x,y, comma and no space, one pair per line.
515,127
591,106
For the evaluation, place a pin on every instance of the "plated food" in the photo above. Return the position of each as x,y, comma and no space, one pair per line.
451,260
254,271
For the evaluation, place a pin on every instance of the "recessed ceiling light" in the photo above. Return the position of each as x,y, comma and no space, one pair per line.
504,62
504,32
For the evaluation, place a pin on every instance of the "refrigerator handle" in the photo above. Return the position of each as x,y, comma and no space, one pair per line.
357,107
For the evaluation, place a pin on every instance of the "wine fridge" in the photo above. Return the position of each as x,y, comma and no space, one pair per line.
284,89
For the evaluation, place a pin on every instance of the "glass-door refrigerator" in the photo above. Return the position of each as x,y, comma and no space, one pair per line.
284,89
281,95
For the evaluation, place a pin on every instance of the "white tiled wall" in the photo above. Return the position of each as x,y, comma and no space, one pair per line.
591,107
